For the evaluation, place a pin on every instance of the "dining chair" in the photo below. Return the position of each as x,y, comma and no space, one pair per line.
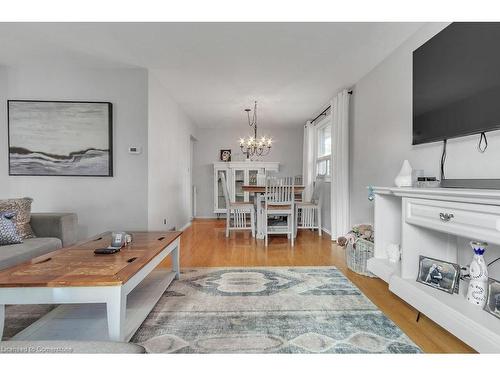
298,181
236,212
279,201
308,214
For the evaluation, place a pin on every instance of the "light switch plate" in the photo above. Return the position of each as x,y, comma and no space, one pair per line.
134,150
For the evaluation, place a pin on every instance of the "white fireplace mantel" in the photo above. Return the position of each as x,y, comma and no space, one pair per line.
415,218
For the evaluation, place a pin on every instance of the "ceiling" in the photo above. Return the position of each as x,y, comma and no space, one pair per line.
215,70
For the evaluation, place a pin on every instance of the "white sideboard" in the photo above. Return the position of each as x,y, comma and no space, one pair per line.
238,174
417,219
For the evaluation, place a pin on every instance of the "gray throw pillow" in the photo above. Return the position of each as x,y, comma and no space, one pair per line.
8,230
22,208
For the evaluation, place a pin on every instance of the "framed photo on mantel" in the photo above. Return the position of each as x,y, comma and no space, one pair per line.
439,274
60,138
493,303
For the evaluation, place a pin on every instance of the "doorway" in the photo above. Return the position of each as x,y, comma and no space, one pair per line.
192,188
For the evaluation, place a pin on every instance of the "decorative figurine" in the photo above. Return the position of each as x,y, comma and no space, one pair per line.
404,179
477,293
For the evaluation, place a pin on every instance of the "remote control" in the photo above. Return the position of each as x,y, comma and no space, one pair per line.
106,250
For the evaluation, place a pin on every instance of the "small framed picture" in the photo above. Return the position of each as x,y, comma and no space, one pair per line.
493,302
225,155
439,274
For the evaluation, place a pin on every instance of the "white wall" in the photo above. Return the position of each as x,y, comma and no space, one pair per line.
4,166
381,132
103,203
287,150
169,135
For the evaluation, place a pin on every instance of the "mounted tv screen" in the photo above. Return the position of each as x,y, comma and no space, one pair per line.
456,82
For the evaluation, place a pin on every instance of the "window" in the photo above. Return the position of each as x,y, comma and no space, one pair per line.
323,148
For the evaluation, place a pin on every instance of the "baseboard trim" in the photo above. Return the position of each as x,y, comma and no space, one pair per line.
185,226
205,217
329,232
326,231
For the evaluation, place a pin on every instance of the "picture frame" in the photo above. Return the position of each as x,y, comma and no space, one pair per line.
493,302
225,155
60,138
439,274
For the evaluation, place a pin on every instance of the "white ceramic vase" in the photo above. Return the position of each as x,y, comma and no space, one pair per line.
403,179
477,294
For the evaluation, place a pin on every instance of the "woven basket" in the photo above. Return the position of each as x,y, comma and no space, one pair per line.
358,254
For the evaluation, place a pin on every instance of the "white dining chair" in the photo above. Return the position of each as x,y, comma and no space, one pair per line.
279,201
298,181
308,214
236,212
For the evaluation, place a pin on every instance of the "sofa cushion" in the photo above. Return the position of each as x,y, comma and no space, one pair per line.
10,255
8,231
22,208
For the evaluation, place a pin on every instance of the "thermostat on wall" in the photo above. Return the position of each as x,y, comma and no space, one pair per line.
134,149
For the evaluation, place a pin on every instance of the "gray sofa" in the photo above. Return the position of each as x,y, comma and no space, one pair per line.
52,230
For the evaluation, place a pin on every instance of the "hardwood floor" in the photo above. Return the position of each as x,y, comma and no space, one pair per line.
204,245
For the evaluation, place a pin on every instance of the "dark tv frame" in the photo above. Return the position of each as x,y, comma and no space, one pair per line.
478,183
461,135
472,183
110,136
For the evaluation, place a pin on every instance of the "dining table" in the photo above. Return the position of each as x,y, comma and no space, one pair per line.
259,191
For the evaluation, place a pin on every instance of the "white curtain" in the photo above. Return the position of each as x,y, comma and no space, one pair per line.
308,160
340,165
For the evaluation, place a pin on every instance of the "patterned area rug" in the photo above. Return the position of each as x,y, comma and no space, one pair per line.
18,317
268,310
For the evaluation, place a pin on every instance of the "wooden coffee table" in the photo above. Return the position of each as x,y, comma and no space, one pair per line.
101,297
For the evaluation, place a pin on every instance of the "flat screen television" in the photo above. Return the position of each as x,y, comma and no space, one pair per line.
456,87
456,82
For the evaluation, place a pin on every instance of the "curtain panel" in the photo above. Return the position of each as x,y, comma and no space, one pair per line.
339,211
308,160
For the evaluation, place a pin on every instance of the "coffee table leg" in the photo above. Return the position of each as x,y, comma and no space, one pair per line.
175,261
116,308
2,320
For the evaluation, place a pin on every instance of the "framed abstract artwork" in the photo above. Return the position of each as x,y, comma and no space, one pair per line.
60,138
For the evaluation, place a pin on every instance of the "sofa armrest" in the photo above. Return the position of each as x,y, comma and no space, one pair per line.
59,225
